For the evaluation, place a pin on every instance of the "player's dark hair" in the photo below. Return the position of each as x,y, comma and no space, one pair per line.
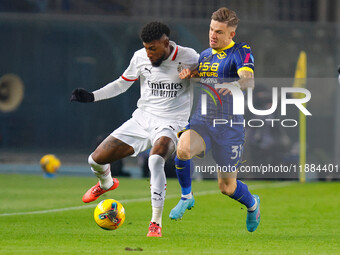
227,16
154,31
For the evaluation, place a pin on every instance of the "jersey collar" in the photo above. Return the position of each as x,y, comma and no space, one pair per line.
174,52
231,44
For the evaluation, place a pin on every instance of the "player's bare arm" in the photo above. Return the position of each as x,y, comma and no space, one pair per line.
246,81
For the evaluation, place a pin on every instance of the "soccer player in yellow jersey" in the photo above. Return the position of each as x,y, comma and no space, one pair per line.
224,62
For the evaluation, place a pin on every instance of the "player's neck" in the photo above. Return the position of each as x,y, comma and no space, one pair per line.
227,46
171,48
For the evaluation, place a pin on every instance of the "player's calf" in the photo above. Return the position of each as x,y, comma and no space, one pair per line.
157,187
227,188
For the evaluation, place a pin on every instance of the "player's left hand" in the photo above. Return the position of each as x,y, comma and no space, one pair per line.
224,91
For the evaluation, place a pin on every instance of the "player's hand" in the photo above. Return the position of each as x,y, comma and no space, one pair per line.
224,92
195,74
82,95
185,74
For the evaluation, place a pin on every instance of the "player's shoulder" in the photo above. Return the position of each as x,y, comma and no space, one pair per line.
206,53
242,45
140,57
186,51
141,53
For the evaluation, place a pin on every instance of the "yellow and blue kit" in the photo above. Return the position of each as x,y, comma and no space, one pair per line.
225,141
221,66
214,67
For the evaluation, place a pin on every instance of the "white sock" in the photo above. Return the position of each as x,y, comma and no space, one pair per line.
251,209
157,215
103,173
188,196
157,187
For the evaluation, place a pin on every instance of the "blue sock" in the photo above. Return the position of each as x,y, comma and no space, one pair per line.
183,175
243,195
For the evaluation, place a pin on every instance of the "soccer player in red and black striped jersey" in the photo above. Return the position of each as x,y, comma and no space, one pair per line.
224,62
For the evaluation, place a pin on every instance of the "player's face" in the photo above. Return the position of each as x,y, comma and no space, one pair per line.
157,51
220,35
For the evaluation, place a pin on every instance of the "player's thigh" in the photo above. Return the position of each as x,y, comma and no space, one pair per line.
111,149
190,144
227,150
227,146
134,132
163,138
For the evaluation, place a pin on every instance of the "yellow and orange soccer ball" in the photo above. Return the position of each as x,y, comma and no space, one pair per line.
109,214
50,163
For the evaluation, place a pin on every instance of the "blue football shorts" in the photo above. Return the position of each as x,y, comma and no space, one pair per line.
225,141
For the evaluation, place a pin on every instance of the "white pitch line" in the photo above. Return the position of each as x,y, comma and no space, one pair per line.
144,199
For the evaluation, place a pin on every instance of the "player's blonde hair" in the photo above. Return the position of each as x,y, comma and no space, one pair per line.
226,16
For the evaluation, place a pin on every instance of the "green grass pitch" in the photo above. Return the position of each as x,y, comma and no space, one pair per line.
295,219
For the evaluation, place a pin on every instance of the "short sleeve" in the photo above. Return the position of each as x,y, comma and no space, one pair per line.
131,73
194,57
244,59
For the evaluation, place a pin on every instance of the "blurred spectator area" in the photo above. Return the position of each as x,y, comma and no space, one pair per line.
53,47
259,10
98,7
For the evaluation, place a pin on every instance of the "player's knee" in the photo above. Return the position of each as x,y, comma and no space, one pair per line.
183,154
183,147
164,147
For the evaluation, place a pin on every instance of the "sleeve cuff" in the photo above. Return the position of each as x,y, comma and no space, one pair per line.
245,68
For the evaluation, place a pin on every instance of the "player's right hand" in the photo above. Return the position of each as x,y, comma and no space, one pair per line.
82,95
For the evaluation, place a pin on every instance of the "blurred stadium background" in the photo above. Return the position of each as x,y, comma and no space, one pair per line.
55,46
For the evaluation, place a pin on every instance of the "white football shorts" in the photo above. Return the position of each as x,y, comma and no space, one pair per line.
143,130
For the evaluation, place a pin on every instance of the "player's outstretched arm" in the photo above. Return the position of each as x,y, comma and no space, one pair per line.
82,95
246,81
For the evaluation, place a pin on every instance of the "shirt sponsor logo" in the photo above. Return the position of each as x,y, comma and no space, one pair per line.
164,89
